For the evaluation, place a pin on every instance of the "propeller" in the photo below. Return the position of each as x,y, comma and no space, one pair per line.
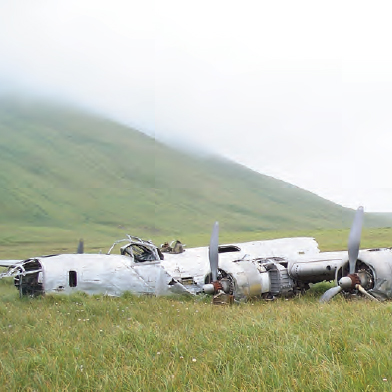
80,249
213,251
352,280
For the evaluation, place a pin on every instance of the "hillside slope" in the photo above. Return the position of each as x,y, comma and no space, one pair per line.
63,168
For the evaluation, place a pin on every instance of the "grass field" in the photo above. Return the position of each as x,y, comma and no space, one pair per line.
18,242
160,344
60,343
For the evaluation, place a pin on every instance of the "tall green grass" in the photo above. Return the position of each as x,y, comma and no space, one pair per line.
162,344
101,343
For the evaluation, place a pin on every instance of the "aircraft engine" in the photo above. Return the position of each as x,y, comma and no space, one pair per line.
372,275
366,272
241,280
246,279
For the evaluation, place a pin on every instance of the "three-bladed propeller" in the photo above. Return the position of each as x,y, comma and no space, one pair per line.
352,280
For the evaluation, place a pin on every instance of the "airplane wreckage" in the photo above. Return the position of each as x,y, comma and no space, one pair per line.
260,269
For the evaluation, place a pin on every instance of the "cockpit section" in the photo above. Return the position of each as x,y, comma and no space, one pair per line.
139,252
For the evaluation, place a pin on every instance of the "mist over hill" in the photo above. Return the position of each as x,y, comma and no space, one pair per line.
64,168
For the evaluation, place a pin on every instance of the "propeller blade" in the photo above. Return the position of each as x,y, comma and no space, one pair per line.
213,251
329,294
80,249
364,292
354,239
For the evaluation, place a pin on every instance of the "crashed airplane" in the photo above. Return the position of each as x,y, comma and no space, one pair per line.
266,269
260,269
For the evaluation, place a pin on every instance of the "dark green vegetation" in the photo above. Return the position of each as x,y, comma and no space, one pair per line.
66,174
60,343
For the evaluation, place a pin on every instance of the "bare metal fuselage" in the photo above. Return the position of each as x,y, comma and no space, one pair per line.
93,274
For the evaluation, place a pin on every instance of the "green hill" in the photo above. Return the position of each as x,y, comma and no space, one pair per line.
63,169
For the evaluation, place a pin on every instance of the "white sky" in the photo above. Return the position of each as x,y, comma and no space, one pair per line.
299,90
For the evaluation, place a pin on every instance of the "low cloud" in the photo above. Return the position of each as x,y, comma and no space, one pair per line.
271,86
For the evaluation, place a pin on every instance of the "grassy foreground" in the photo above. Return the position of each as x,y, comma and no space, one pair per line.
59,343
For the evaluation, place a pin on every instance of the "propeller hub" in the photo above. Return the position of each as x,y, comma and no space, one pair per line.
348,282
209,289
345,283
213,287
220,286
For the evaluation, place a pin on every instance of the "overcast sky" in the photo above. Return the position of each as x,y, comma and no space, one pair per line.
299,90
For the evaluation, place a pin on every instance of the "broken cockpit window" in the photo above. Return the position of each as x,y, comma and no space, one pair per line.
140,253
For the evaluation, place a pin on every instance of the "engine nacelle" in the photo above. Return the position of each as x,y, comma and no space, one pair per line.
374,269
245,280
252,278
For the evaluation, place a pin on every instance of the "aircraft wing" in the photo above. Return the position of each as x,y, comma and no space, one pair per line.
9,263
194,261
